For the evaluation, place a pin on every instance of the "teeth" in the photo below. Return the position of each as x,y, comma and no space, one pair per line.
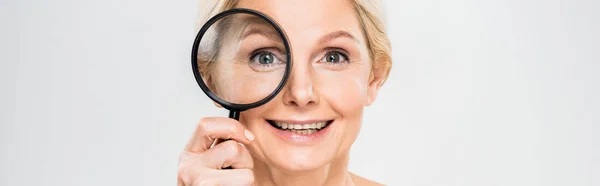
302,131
316,126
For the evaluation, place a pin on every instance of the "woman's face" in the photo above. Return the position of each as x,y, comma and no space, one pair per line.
329,85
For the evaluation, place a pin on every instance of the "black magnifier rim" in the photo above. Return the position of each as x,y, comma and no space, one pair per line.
234,106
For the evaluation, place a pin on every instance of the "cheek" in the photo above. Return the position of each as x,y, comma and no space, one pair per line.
244,86
345,91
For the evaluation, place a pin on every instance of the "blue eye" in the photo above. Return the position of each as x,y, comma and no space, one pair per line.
265,58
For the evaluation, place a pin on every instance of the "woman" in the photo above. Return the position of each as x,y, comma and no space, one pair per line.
341,58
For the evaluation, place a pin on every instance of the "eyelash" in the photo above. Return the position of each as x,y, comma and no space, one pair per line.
260,51
255,54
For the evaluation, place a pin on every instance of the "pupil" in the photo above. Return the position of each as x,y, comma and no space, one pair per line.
266,59
333,58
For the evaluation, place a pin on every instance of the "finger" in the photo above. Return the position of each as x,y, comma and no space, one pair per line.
191,167
228,153
211,128
235,177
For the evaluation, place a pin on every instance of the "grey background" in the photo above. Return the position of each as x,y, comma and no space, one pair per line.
482,92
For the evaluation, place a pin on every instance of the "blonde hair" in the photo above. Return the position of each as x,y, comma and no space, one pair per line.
370,15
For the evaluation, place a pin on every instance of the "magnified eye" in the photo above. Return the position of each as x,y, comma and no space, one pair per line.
266,58
334,57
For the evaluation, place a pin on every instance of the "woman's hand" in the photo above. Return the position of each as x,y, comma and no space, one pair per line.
199,164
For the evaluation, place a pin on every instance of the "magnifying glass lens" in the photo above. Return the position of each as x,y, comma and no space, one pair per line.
242,58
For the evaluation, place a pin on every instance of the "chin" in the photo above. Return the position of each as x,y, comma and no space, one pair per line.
298,159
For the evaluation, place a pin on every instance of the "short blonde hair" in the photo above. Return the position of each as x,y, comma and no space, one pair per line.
370,15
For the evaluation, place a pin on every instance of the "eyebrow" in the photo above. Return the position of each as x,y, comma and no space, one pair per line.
271,35
259,26
337,34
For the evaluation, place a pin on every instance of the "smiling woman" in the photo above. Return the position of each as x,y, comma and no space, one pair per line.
341,57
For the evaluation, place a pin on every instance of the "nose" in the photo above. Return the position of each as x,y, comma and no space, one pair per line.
300,91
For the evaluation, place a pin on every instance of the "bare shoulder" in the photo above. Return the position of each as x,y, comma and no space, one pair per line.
360,181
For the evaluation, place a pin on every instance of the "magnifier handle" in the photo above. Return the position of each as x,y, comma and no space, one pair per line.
233,115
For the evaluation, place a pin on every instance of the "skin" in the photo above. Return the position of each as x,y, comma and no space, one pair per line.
317,90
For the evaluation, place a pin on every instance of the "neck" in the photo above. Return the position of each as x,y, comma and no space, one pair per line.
334,173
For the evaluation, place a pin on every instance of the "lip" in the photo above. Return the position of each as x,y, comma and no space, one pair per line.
301,139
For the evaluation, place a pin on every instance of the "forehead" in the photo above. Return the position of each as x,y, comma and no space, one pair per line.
309,18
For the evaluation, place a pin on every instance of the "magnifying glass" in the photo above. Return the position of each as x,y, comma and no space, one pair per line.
241,59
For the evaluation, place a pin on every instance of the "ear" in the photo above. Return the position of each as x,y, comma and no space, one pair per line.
376,79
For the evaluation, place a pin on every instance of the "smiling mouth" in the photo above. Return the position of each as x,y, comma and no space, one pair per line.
308,128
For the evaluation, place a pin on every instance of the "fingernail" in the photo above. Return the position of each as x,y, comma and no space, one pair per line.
249,135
